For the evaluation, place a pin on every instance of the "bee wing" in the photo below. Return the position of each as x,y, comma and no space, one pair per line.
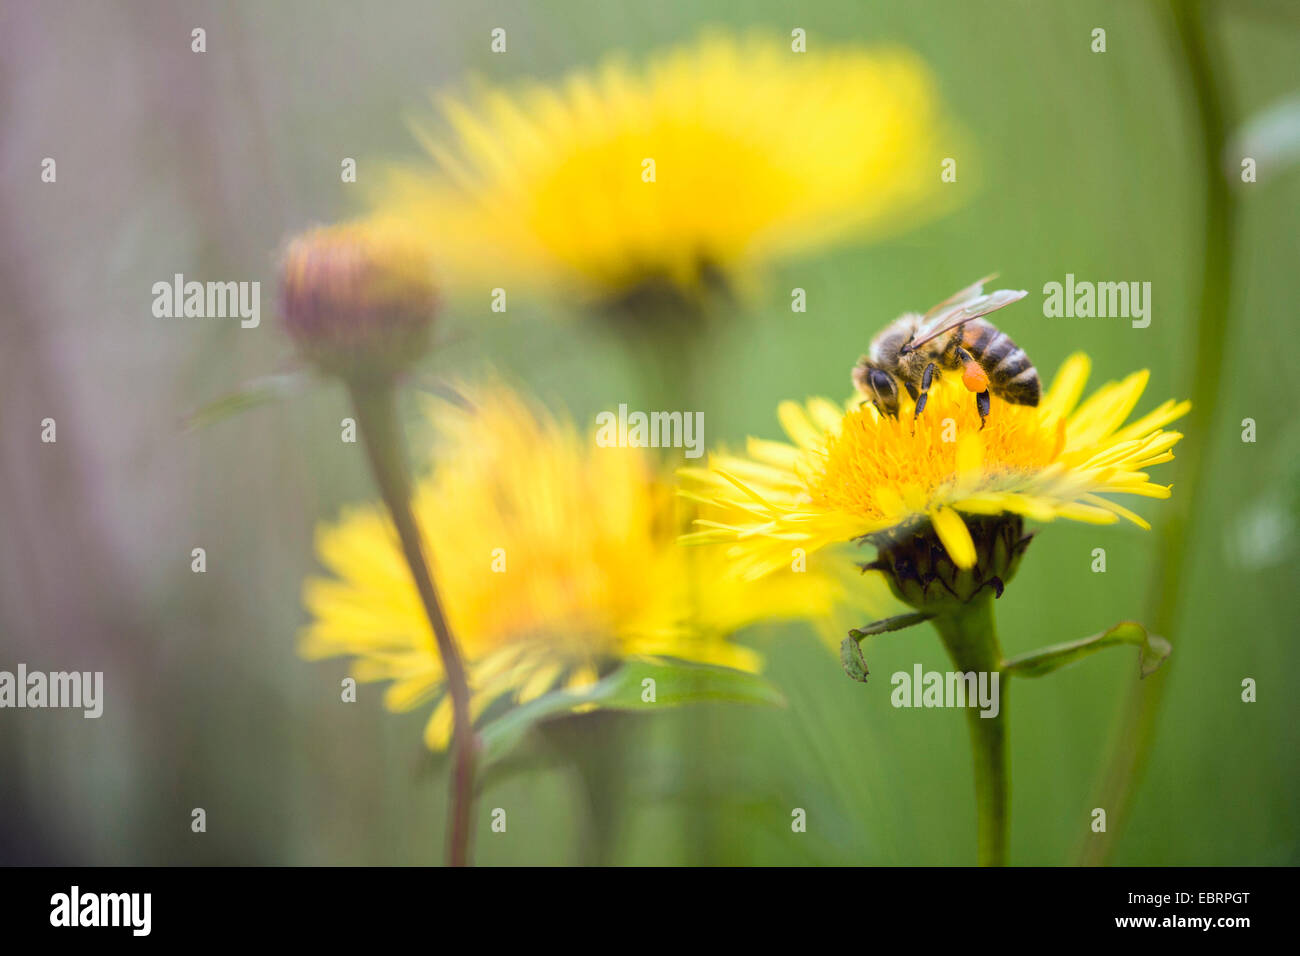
972,291
963,313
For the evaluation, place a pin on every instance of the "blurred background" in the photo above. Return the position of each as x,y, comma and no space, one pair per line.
172,162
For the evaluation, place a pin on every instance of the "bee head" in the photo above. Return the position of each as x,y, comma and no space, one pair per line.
877,385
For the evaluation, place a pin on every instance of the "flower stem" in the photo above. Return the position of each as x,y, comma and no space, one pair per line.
376,410
1135,736
970,635
596,744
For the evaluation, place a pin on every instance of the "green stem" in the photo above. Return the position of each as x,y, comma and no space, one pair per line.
1131,747
596,745
970,635
668,338
376,410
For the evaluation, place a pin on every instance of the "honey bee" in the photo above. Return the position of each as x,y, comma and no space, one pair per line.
952,336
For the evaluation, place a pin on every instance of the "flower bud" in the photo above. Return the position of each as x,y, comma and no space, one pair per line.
358,298
921,574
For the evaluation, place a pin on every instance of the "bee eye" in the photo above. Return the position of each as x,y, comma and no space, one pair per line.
882,384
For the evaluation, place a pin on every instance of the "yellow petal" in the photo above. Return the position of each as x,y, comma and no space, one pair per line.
1075,511
539,682
890,502
955,536
1117,509
794,419
404,695
437,732
826,414
581,678
1068,385
970,455
775,453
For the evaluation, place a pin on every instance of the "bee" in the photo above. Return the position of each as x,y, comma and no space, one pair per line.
952,336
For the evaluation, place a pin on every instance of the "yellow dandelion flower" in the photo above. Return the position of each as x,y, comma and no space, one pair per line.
557,559
858,473
944,501
710,160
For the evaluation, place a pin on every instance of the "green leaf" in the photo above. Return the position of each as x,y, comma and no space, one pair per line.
889,624
258,391
1153,651
855,665
675,683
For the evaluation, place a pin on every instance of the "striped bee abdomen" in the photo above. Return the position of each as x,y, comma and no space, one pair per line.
1012,377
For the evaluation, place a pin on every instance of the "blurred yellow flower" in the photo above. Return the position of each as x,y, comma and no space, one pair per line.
855,473
556,559
712,159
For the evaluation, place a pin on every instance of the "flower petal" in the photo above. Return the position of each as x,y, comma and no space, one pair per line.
794,419
1067,386
955,536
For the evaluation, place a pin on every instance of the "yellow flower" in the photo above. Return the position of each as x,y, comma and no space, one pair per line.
712,159
556,559
859,473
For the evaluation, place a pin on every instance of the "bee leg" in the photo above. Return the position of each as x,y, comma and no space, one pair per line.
873,403
982,405
927,379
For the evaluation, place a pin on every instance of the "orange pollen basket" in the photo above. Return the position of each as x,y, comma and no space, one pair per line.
974,377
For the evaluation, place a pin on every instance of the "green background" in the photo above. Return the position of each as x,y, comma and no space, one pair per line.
171,162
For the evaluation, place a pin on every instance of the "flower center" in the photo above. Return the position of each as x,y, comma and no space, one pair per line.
878,463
